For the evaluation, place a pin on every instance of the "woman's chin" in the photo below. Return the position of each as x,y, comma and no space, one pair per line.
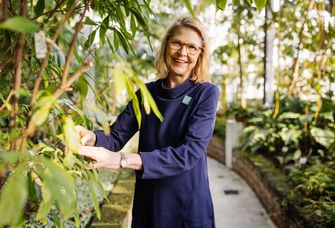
179,72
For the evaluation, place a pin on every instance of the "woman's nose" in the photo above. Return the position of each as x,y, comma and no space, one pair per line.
183,50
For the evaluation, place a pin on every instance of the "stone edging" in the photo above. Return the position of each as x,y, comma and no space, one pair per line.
117,211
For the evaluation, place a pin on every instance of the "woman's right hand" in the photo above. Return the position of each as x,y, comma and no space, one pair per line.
87,137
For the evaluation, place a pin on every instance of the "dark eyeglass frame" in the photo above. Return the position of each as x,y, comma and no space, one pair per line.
191,49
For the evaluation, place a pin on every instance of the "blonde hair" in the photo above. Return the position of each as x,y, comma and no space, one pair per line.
199,73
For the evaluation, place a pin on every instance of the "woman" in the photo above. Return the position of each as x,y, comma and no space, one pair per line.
172,187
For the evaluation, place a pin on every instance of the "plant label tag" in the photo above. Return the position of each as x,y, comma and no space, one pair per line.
186,100
40,44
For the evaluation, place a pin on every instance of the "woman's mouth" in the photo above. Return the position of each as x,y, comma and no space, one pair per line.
179,60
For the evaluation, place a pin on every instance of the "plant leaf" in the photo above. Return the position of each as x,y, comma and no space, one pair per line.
13,197
260,4
221,4
94,199
20,24
90,40
45,206
39,8
323,136
89,21
119,81
71,136
189,7
40,115
59,183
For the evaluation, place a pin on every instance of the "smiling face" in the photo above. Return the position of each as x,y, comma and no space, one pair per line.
182,52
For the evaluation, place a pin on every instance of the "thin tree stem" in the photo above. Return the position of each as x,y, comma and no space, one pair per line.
18,72
296,64
3,7
31,126
7,100
72,46
45,60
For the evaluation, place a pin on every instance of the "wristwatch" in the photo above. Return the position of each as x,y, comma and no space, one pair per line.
123,161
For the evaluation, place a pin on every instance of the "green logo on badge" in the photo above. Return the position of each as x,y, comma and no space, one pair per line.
186,100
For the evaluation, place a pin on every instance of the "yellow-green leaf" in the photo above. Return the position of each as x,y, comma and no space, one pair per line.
19,24
45,206
59,183
260,4
221,4
189,7
40,115
94,199
13,197
323,136
71,136
135,103
119,81
155,108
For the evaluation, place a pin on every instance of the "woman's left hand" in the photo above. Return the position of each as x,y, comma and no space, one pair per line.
104,158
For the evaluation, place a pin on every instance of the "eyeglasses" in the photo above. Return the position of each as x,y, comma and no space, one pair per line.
190,48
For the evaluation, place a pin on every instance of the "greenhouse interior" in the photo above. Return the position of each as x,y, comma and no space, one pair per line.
147,113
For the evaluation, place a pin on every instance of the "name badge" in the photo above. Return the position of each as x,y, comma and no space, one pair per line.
186,100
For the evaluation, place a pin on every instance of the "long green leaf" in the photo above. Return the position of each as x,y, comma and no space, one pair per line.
94,199
119,81
71,136
59,183
19,24
221,4
148,100
13,197
39,8
9,157
155,108
46,204
90,40
135,103
40,115
260,4
189,7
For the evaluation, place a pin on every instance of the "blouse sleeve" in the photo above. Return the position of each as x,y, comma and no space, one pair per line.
171,161
121,130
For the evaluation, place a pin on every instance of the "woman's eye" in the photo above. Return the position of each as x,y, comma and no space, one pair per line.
193,48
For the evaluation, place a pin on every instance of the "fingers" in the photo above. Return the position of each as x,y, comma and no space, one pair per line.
96,165
86,140
81,130
87,136
88,151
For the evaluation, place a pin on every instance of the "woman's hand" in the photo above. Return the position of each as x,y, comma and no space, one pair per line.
87,137
104,158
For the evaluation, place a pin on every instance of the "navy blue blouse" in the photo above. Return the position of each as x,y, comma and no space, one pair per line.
172,190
